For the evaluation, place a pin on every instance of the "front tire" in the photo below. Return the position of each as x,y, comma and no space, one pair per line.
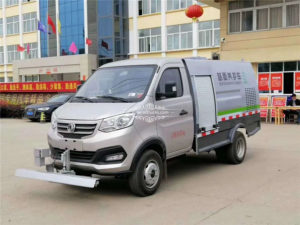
235,152
147,176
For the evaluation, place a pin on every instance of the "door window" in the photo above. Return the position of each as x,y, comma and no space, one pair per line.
170,84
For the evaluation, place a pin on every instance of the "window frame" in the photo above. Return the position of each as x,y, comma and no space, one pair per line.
33,52
1,27
150,37
284,15
179,33
149,7
161,76
15,3
181,7
15,25
254,19
1,55
15,53
30,20
212,29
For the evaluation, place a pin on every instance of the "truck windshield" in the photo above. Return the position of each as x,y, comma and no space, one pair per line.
117,84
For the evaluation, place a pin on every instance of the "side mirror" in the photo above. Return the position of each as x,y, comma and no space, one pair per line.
159,95
170,91
78,87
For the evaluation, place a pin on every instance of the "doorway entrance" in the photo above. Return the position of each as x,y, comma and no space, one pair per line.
288,83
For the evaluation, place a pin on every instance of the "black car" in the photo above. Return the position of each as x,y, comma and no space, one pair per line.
33,112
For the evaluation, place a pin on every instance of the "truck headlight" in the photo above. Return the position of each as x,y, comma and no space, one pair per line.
53,121
117,122
43,109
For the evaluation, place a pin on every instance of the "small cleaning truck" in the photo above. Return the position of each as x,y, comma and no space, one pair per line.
131,116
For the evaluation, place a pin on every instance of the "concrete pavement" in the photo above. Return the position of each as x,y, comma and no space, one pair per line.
265,189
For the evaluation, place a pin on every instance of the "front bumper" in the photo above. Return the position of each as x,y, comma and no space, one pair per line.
36,114
99,142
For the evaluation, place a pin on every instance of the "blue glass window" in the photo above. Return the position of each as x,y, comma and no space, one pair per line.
71,16
44,20
106,26
105,7
106,49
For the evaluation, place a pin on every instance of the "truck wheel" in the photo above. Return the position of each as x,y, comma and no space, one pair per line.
235,152
148,173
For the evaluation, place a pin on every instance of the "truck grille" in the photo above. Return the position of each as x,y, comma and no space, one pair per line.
80,130
75,156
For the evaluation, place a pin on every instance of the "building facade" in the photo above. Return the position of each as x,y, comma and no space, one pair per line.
267,34
103,22
160,28
18,26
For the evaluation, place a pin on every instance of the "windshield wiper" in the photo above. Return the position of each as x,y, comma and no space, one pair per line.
113,98
83,98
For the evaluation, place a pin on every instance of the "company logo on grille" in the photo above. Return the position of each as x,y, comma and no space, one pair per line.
71,127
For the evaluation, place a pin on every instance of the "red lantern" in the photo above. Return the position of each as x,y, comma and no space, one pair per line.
194,12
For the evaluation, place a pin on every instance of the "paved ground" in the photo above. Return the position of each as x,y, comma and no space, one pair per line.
265,189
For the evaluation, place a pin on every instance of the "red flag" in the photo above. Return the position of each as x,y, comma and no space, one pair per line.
28,49
50,22
88,42
20,48
104,44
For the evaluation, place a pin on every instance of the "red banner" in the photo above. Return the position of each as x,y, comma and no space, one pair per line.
276,82
264,101
297,82
278,101
57,86
263,82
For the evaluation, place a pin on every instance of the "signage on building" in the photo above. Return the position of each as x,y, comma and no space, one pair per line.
263,82
297,82
264,102
48,70
57,86
277,102
276,82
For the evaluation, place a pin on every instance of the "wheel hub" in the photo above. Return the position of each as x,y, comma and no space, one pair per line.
151,174
240,148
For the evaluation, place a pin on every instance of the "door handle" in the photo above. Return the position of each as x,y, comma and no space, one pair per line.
183,112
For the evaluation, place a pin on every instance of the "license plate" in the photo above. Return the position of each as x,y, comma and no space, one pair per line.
74,145
29,113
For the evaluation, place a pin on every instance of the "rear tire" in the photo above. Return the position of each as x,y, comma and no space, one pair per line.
147,176
235,152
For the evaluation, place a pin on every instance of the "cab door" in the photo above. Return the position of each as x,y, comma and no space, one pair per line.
174,110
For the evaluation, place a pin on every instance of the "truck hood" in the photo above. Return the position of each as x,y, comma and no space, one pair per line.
91,111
